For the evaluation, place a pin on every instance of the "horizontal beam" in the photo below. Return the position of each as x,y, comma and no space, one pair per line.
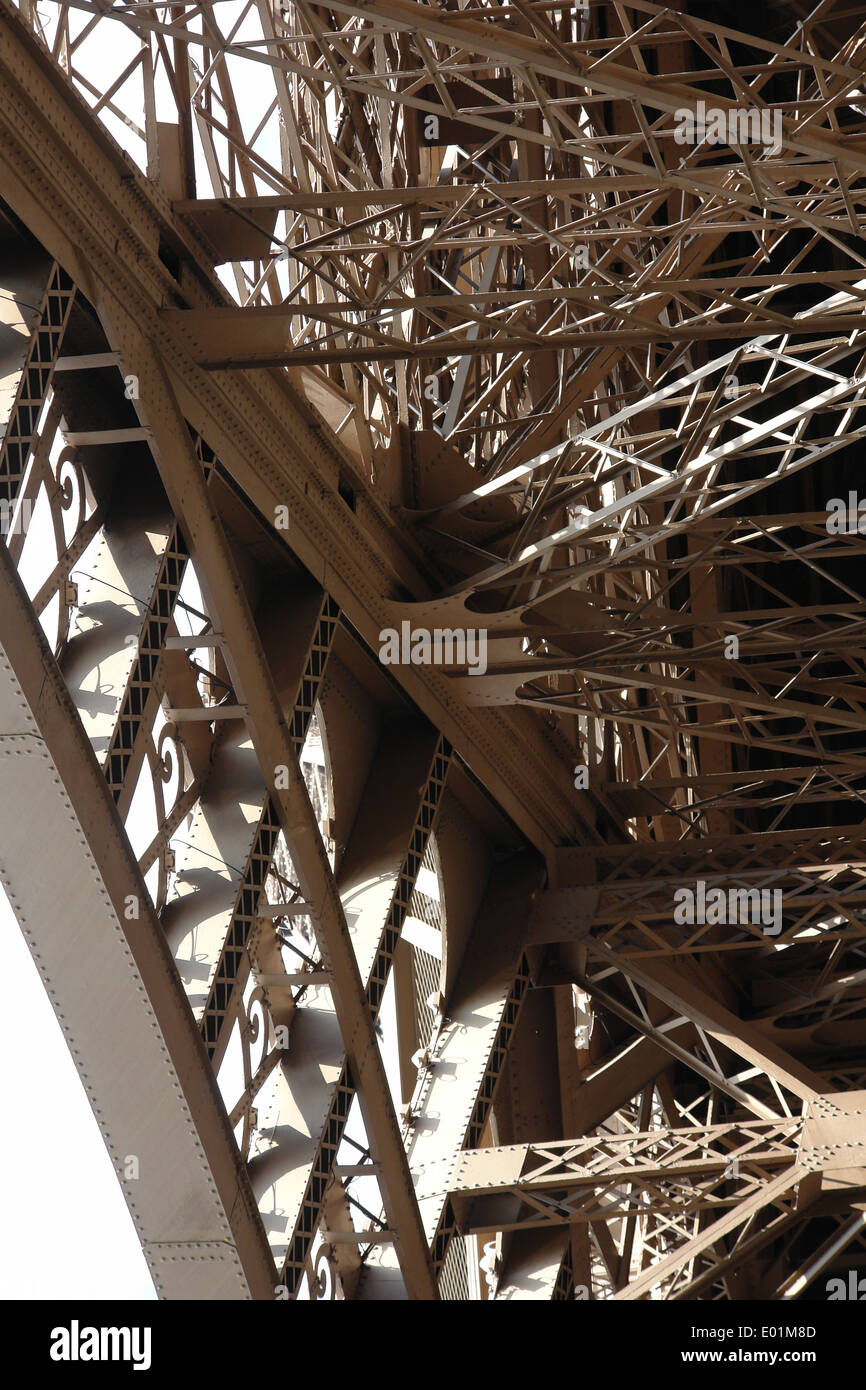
700,1008
608,1159
243,358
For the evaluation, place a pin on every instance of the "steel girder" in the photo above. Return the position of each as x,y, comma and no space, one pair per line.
670,1170
103,958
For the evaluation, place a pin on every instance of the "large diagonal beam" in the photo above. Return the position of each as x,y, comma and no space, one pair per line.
307,1163
695,1004
104,960
681,1047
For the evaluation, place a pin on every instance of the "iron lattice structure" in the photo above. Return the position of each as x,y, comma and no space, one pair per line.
542,320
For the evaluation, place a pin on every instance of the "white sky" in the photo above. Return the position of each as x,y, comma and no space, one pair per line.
62,1213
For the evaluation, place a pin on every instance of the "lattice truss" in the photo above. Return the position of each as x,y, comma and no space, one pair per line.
608,381
662,1243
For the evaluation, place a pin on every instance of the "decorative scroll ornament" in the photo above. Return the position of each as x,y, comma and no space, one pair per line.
166,763
325,1283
